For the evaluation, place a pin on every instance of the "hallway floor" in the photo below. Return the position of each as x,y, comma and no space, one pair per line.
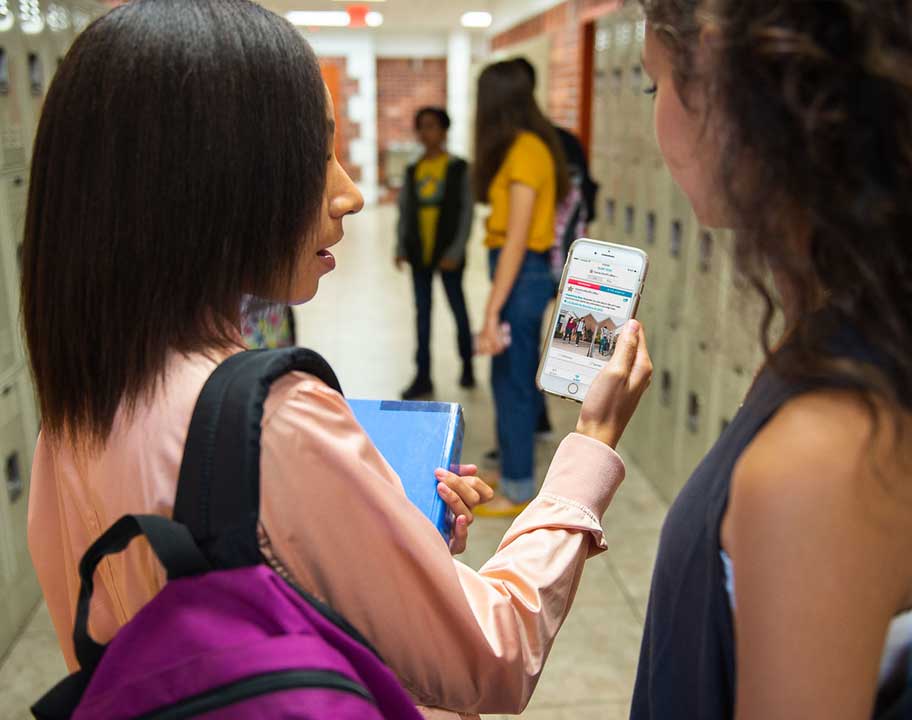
362,322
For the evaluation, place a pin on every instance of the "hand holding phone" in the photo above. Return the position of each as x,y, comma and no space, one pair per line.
617,389
599,292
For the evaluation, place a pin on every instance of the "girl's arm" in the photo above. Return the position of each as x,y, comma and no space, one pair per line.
338,519
522,207
820,543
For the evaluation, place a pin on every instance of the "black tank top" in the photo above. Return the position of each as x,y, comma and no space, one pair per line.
687,659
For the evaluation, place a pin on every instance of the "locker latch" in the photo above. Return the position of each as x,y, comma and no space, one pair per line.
14,481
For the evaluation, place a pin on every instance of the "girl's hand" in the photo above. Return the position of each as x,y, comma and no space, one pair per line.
490,339
617,389
462,491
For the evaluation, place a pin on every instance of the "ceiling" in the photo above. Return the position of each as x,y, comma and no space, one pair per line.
416,15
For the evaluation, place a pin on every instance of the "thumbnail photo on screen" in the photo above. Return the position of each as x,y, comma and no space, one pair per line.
585,333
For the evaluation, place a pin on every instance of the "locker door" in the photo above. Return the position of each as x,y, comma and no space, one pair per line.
707,278
40,57
13,199
19,591
59,24
601,68
14,123
619,130
636,101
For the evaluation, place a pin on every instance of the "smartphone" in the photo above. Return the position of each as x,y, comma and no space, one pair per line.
600,290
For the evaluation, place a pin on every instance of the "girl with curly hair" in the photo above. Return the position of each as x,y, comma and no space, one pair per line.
783,584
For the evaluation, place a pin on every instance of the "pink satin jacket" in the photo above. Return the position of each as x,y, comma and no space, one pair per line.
334,515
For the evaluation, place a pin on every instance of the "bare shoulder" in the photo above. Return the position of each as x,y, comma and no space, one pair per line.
824,467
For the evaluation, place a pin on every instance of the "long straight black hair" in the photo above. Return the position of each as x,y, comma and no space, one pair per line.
506,106
180,163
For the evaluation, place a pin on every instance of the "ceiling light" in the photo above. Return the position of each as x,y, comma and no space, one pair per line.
477,20
328,18
374,19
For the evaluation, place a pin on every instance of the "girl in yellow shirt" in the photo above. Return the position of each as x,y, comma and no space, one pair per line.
521,172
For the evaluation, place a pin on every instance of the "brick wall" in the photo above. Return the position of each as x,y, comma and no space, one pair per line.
403,86
564,24
342,87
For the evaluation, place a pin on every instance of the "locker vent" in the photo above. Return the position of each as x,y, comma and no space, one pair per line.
4,73
651,228
666,388
693,413
677,238
36,75
14,481
706,251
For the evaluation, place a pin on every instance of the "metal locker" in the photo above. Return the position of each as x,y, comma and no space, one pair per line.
9,342
637,101
661,461
619,126
60,26
40,57
667,273
13,200
14,122
19,591
601,88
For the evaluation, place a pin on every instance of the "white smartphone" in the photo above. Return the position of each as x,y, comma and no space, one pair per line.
600,291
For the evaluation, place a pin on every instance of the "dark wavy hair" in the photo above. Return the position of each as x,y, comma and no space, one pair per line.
814,103
506,106
180,163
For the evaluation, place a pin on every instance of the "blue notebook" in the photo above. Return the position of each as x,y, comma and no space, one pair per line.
416,438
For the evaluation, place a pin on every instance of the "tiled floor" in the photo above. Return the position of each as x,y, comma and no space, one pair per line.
590,673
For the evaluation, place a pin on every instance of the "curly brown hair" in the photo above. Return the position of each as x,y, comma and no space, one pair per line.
815,102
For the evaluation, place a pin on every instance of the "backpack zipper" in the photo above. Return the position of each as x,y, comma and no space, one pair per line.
257,685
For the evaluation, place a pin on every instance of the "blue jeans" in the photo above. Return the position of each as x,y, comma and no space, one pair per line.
517,401
452,284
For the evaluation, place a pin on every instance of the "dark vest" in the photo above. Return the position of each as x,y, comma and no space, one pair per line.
450,213
687,659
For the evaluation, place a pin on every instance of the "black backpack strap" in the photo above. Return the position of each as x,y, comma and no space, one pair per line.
218,492
176,551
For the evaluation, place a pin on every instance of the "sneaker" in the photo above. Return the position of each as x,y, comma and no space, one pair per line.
468,376
421,387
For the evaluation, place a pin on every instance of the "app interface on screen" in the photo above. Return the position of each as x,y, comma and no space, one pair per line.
598,298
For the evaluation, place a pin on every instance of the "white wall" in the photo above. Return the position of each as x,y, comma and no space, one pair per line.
411,45
508,13
459,79
359,48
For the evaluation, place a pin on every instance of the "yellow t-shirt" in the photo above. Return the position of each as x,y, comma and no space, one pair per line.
430,181
529,161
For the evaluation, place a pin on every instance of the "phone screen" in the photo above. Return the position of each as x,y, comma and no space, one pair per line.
600,292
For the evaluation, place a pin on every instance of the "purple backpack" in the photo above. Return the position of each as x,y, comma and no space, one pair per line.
227,637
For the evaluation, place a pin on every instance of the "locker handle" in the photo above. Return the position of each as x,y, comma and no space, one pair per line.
14,481
677,238
706,251
629,219
4,73
36,75
666,388
693,413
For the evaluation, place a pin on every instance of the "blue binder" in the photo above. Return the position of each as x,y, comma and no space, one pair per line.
416,438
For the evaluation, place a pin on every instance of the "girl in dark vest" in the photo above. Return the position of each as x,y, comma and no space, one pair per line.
435,220
783,583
